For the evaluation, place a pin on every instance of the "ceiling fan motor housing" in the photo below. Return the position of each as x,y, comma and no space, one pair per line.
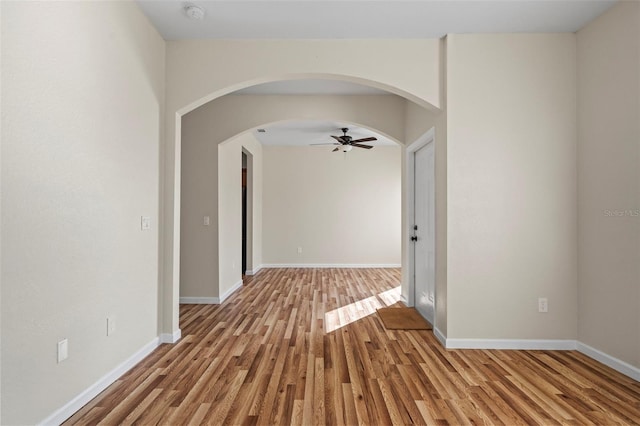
345,138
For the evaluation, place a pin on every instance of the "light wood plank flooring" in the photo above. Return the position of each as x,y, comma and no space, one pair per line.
305,346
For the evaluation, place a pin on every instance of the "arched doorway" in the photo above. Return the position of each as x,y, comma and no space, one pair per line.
172,240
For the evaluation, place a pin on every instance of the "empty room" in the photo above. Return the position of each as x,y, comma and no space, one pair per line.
310,212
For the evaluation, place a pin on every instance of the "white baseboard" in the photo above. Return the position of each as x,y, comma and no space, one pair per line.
331,265
253,271
171,337
66,411
441,338
229,292
199,301
537,344
92,391
518,344
210,300
608,360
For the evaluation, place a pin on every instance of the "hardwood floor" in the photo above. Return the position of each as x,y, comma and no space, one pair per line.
305,346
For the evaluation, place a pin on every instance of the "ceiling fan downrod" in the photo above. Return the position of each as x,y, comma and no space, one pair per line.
345,138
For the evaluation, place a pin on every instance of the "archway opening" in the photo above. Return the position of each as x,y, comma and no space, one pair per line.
385,127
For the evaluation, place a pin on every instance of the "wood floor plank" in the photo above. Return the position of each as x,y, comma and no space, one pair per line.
306,347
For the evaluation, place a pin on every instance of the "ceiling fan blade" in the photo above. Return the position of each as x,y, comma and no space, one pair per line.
362,146
336,149
328,143
366,139
339,139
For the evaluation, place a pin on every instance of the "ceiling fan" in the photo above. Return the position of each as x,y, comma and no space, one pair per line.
346,143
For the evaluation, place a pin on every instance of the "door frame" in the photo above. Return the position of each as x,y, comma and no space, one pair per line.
422,141
251,269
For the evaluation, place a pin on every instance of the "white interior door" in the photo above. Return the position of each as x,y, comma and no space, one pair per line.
424,231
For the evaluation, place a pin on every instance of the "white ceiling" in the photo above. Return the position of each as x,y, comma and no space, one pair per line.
312,19
307,132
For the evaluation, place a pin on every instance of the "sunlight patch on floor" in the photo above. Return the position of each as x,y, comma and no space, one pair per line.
352,312
390,296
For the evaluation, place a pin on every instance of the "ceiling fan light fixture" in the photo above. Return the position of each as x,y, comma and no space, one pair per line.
194,12
345,143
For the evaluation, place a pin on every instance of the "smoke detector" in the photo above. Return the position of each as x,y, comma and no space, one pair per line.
194,12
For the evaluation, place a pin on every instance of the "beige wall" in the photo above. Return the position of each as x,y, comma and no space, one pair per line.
1,245
194,74
609,183
233,114
198,71
81,107
229,215
226,117
339,209
199,243
84,174
511,176
230,208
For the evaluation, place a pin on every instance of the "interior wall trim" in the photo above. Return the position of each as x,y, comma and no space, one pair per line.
211,300
232,290
253,271
610,361
82,399
171,337
536,344
517,344
332,265
66,411
199,301
441,337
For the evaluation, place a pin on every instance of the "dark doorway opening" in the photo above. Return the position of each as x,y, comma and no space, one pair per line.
244,213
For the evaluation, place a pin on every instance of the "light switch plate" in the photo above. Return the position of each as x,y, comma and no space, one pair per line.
63,350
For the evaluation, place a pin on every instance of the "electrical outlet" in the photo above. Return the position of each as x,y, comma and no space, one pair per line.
111,326
63,350
543,304
145,223
207,221
299,250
